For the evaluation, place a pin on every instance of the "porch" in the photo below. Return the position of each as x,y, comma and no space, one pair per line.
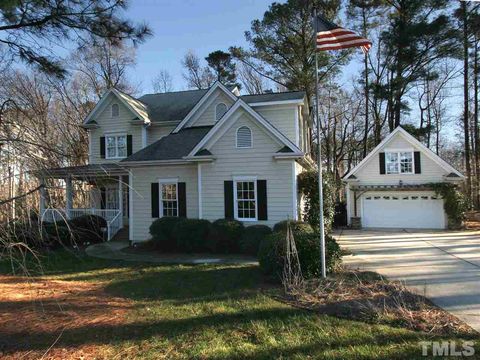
100,190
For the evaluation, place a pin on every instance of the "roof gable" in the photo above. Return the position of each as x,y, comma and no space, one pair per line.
203,100
399,131
230,118
139,109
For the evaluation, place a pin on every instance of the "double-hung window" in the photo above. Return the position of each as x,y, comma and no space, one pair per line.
245,192
400,162
168,199
116,146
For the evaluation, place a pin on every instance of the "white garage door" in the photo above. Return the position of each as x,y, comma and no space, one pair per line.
403,210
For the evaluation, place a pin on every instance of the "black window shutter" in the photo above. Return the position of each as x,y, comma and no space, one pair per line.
262,199
382,163
416,160
155,201
129,145
182,200
102,147
228,196
103,198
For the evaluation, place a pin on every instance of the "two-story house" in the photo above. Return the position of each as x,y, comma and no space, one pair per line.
205,154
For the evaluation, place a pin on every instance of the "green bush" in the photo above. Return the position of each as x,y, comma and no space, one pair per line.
297,227
272,253
59,235
225,236
252,237
191,235
162,233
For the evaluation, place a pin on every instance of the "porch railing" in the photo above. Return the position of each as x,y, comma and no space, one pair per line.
113,217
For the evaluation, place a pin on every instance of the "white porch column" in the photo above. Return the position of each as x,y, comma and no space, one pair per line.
43,196
69,196
120,199
130,205
199,185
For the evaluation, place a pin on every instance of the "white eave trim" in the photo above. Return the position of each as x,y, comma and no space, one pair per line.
281,102
288,155
90,126
216,85
201,158
153,163
119,97
240,103
429,153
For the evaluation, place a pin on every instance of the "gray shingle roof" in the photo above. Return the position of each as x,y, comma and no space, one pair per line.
282,96
173,146
174,106
171,106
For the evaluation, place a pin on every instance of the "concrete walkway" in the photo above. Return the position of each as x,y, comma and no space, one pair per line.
443,266
118,250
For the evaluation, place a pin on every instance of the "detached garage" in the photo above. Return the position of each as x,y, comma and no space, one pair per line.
392,186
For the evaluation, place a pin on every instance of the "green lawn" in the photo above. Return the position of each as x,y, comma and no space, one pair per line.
212,312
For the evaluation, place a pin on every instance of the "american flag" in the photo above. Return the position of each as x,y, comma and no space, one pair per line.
333,37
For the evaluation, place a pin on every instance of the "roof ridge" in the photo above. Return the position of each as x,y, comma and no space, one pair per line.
174,92
274,93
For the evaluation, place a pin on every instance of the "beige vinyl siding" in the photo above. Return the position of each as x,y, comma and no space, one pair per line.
141,193
155,133
282,117
206,114
108,125
258,162
370,172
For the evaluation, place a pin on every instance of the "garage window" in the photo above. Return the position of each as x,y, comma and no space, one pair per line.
399,162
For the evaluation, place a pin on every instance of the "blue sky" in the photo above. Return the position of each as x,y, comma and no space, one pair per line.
181,25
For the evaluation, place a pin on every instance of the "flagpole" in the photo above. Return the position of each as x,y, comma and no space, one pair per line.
319,161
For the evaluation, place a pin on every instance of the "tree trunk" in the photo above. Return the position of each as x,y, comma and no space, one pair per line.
475,126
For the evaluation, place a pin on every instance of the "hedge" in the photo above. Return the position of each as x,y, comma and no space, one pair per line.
191,235
162,233
252,237
225,236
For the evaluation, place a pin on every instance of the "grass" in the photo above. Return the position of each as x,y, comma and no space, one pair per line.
206,312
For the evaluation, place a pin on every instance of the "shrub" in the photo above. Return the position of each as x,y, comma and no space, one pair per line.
58,235
191,235
225,236
272,253
252,237
297,227
308,186
162,233
88,228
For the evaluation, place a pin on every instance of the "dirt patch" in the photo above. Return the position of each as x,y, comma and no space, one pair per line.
368,297
43,306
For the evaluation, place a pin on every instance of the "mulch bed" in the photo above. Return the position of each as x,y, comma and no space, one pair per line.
30,308
365,296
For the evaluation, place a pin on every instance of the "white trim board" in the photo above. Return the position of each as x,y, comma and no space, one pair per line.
215,86
429,153
120,97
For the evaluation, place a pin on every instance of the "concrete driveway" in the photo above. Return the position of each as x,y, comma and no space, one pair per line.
443,266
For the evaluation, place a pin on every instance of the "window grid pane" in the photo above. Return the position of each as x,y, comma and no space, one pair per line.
169,200
246,200
392,163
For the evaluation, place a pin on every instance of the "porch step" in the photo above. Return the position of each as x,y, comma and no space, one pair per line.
121,235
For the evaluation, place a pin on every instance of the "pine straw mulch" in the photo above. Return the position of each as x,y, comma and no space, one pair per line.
36,313
366,296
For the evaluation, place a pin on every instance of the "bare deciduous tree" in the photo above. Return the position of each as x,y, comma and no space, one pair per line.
163,82
196,75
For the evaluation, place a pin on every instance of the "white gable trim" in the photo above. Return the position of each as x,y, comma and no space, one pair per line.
429,153
216,85
269,127
104,98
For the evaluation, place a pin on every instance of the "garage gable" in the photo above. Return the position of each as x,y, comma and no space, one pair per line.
423,164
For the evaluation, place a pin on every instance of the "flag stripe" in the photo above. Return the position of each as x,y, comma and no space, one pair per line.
330,36
340,39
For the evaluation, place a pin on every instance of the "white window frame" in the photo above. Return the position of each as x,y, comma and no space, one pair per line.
216,106
251,138
240,179
116,136
162,182
399,168
111,110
